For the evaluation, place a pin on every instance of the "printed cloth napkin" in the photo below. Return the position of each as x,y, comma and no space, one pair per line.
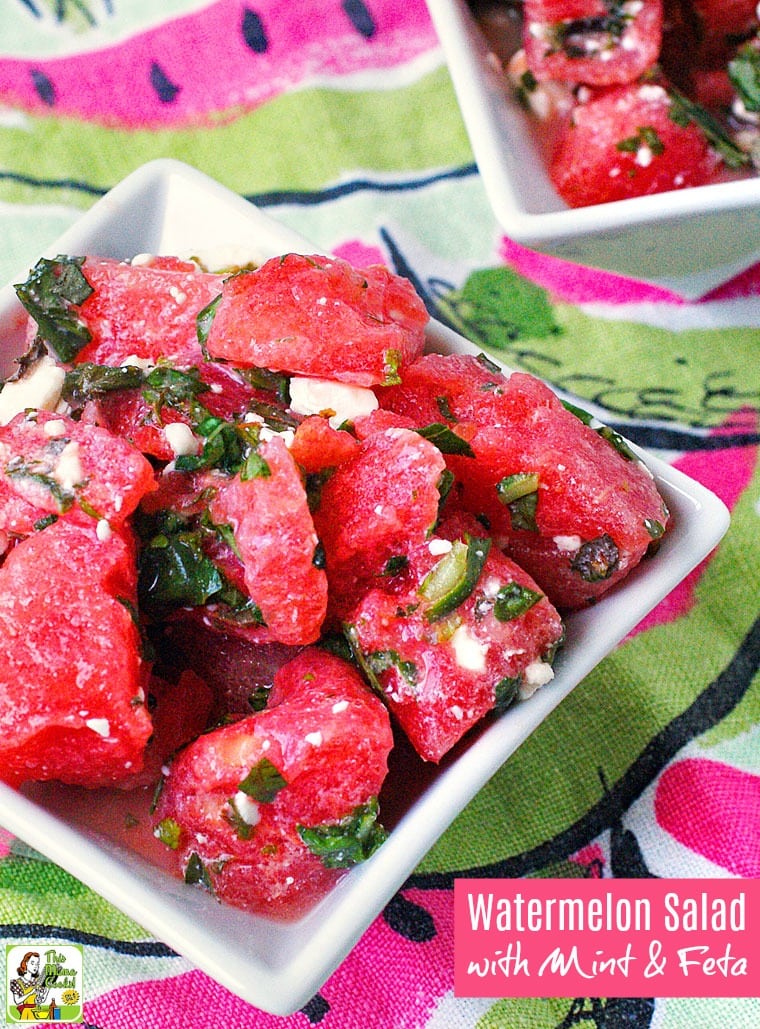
339,118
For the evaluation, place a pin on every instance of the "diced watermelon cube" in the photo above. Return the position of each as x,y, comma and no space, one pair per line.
51,465
374,507
72,703
625,143
319,317
240,802
277,543
442,673
572,505
591,41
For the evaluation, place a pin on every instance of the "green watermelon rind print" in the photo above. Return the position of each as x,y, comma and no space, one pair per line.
297,141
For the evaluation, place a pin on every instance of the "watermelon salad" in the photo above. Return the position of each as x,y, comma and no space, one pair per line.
252,535
633,97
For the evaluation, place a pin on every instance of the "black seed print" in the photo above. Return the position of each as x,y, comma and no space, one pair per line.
316,1009
165,89
360,17
254,33
43,86
409,920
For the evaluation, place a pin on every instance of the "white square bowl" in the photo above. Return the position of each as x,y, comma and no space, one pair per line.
688,240
167,207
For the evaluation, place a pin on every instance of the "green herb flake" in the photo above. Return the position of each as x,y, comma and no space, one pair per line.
380,661
88,380
168,832
506,692
196,873
452,579
447,441
617,441
51,294
684,111
263,782
444,406
513,600
655,529
204,319
348,842
395,564
744,73
243,829
645,136
519,493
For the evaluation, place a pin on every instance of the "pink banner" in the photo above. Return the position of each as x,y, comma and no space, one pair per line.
607,937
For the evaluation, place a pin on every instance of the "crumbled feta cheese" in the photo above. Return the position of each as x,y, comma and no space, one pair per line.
68,471
177,295
644,156
457,712
438,547
39,388
339,706
133,361
286,435
568,543
314,738
535,675
55,427
247,808
340,401
103,530
99,725
180,438
470,653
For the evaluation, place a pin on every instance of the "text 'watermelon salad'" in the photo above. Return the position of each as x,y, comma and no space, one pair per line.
249,530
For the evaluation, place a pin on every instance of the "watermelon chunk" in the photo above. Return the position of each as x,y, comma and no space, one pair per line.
72,705
625,143
443,656
51,465
256,810
591,41
374,507
319,317
571,505
136,311
277,543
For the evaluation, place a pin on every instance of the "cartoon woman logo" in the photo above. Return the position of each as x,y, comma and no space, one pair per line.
29,990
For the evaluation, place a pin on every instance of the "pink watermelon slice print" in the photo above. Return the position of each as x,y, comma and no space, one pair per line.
166,76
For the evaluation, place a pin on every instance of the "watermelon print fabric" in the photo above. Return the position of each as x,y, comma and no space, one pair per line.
340,119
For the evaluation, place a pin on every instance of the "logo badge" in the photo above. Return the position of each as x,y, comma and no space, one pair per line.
43,983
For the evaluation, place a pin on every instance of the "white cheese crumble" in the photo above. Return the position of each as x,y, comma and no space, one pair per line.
99,725
338,706
133,361
568,543
314,738
535,675
470,653
103,530
55,427
180,438
339,401
438,547
39,388
68,470
247,808
286,435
